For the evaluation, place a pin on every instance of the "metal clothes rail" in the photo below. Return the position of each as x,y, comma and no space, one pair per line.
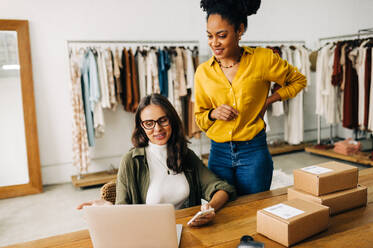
359,34
143,42
273,42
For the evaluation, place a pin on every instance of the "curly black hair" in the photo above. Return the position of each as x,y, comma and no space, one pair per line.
234,11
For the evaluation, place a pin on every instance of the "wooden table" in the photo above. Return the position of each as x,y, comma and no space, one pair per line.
353,228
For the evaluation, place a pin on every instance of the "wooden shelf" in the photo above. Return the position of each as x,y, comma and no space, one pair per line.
285,148
97,178
360,158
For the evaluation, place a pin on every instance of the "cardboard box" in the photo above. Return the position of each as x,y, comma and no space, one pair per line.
337,202
325,178
292,221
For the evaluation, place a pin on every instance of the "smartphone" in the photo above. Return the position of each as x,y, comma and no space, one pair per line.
200,213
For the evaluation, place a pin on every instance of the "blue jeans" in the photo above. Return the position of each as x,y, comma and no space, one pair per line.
247,165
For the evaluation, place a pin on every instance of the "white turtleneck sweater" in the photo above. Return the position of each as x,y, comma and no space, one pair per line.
163,187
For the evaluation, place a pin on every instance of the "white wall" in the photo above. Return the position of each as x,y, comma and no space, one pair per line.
54,22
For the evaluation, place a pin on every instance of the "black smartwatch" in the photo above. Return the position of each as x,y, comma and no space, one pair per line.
209,115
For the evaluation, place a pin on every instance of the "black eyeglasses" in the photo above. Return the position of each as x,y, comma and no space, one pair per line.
150,124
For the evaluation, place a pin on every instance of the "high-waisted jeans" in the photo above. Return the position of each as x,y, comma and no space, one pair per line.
247,165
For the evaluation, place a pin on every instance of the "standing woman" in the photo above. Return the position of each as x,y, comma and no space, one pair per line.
231,91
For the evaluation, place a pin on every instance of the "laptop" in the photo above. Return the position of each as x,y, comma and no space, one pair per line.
142,225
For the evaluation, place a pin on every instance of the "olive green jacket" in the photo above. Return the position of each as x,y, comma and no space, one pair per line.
133,180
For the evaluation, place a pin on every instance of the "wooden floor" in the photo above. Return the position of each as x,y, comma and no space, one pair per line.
360,158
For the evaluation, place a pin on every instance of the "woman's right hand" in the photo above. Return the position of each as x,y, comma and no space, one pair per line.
100,202
224,112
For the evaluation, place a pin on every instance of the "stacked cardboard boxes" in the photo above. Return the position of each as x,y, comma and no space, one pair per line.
331,184
318,191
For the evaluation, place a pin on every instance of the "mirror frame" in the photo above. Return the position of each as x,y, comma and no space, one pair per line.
34,185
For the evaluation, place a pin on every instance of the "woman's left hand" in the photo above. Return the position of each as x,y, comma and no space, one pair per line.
204,219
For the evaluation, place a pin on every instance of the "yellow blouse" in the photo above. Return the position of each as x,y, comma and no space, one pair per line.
247,93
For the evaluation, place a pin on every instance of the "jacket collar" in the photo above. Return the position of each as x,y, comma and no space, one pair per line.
247,50
138,152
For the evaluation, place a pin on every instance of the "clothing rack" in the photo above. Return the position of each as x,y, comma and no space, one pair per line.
89,179
359,158
273,42
361,32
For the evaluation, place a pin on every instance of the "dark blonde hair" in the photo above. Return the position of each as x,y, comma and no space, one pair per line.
176,145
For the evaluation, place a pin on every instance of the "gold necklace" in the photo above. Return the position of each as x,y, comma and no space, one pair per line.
235,63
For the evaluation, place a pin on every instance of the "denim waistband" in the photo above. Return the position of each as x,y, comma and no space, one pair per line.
259,138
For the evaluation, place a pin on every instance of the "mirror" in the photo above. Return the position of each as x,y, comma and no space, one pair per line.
19,152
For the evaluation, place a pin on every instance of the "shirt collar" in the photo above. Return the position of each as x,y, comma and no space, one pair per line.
247,50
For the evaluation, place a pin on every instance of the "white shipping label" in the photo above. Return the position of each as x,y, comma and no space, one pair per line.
284,211
316,169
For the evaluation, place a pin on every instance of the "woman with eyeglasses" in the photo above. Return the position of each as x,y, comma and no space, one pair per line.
162,169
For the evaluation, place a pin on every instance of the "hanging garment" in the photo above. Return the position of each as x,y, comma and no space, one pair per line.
189,69
90,91
331,96
306,65
350,94
189,79
152,80
110,77
180,73
367,83
195,53
98,114
323,78
287,56
179,80
294,119
79,131
117,68
123,77
370,117
135,83
140,57
163,67
128,98
172,78
337,67
104,84
194,130
358,56
343,82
